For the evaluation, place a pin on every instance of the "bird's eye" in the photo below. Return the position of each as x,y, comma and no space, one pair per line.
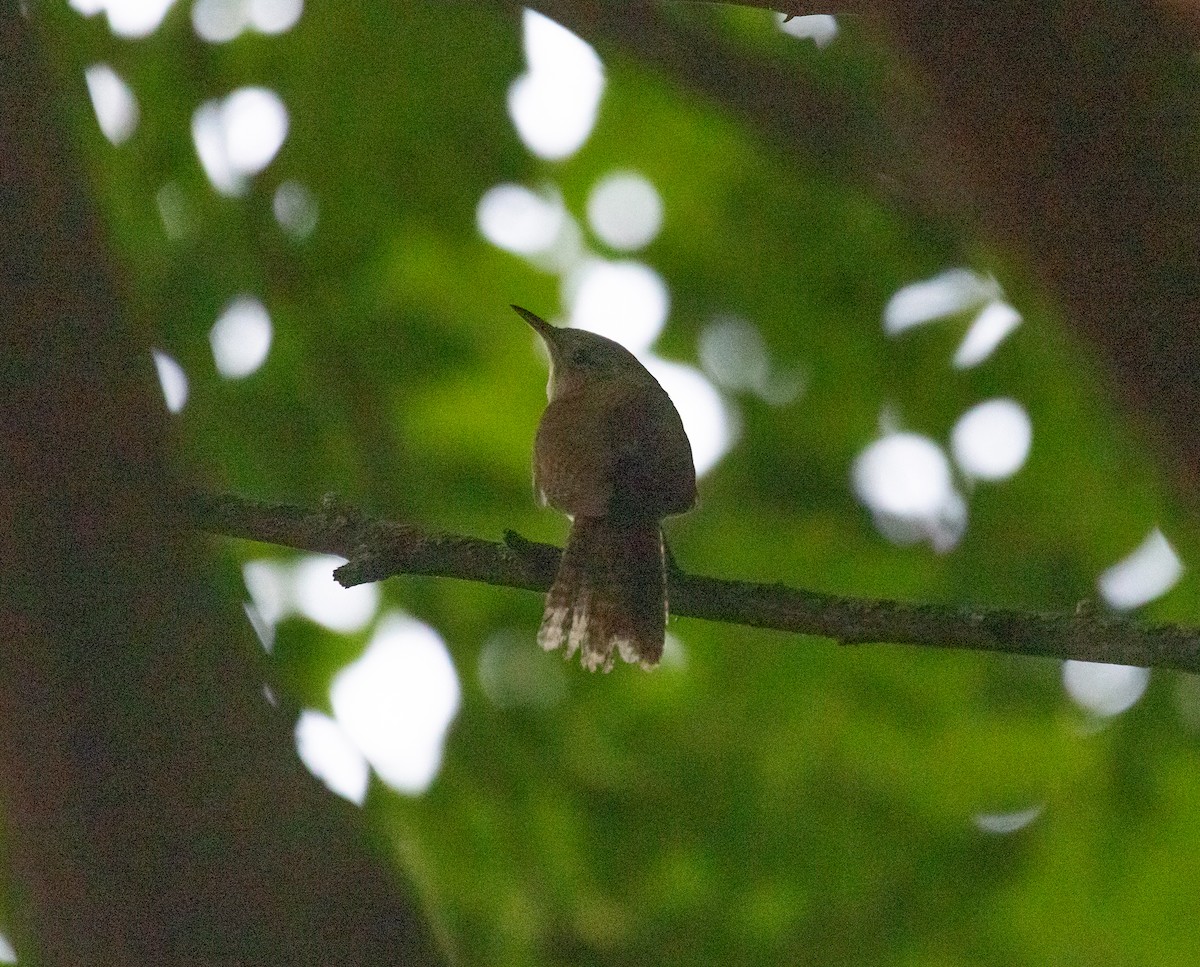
581,357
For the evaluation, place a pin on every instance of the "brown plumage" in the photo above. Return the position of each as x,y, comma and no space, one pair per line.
611,453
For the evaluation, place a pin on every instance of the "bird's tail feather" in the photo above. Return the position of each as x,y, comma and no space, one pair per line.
610,594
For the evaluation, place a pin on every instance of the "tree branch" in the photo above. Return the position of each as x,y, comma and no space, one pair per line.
834,129
378,549
154,808
794,8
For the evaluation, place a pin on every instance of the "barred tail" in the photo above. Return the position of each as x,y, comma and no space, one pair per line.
610,594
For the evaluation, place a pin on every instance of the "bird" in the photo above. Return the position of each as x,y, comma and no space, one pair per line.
611,453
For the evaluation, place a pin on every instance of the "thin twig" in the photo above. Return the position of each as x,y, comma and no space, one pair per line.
378,549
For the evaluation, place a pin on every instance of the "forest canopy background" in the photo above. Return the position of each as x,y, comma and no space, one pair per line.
904,378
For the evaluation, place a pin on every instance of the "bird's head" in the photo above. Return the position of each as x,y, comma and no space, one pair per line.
580,360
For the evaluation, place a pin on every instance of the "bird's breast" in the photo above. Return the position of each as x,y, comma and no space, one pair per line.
614,450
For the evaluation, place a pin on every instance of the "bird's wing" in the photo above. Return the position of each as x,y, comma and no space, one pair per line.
652,470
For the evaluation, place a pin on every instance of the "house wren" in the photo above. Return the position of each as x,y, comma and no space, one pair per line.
612,454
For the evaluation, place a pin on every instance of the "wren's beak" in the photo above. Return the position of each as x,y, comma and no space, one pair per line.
540,325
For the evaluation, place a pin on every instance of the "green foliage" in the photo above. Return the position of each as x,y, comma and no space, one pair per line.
766,799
